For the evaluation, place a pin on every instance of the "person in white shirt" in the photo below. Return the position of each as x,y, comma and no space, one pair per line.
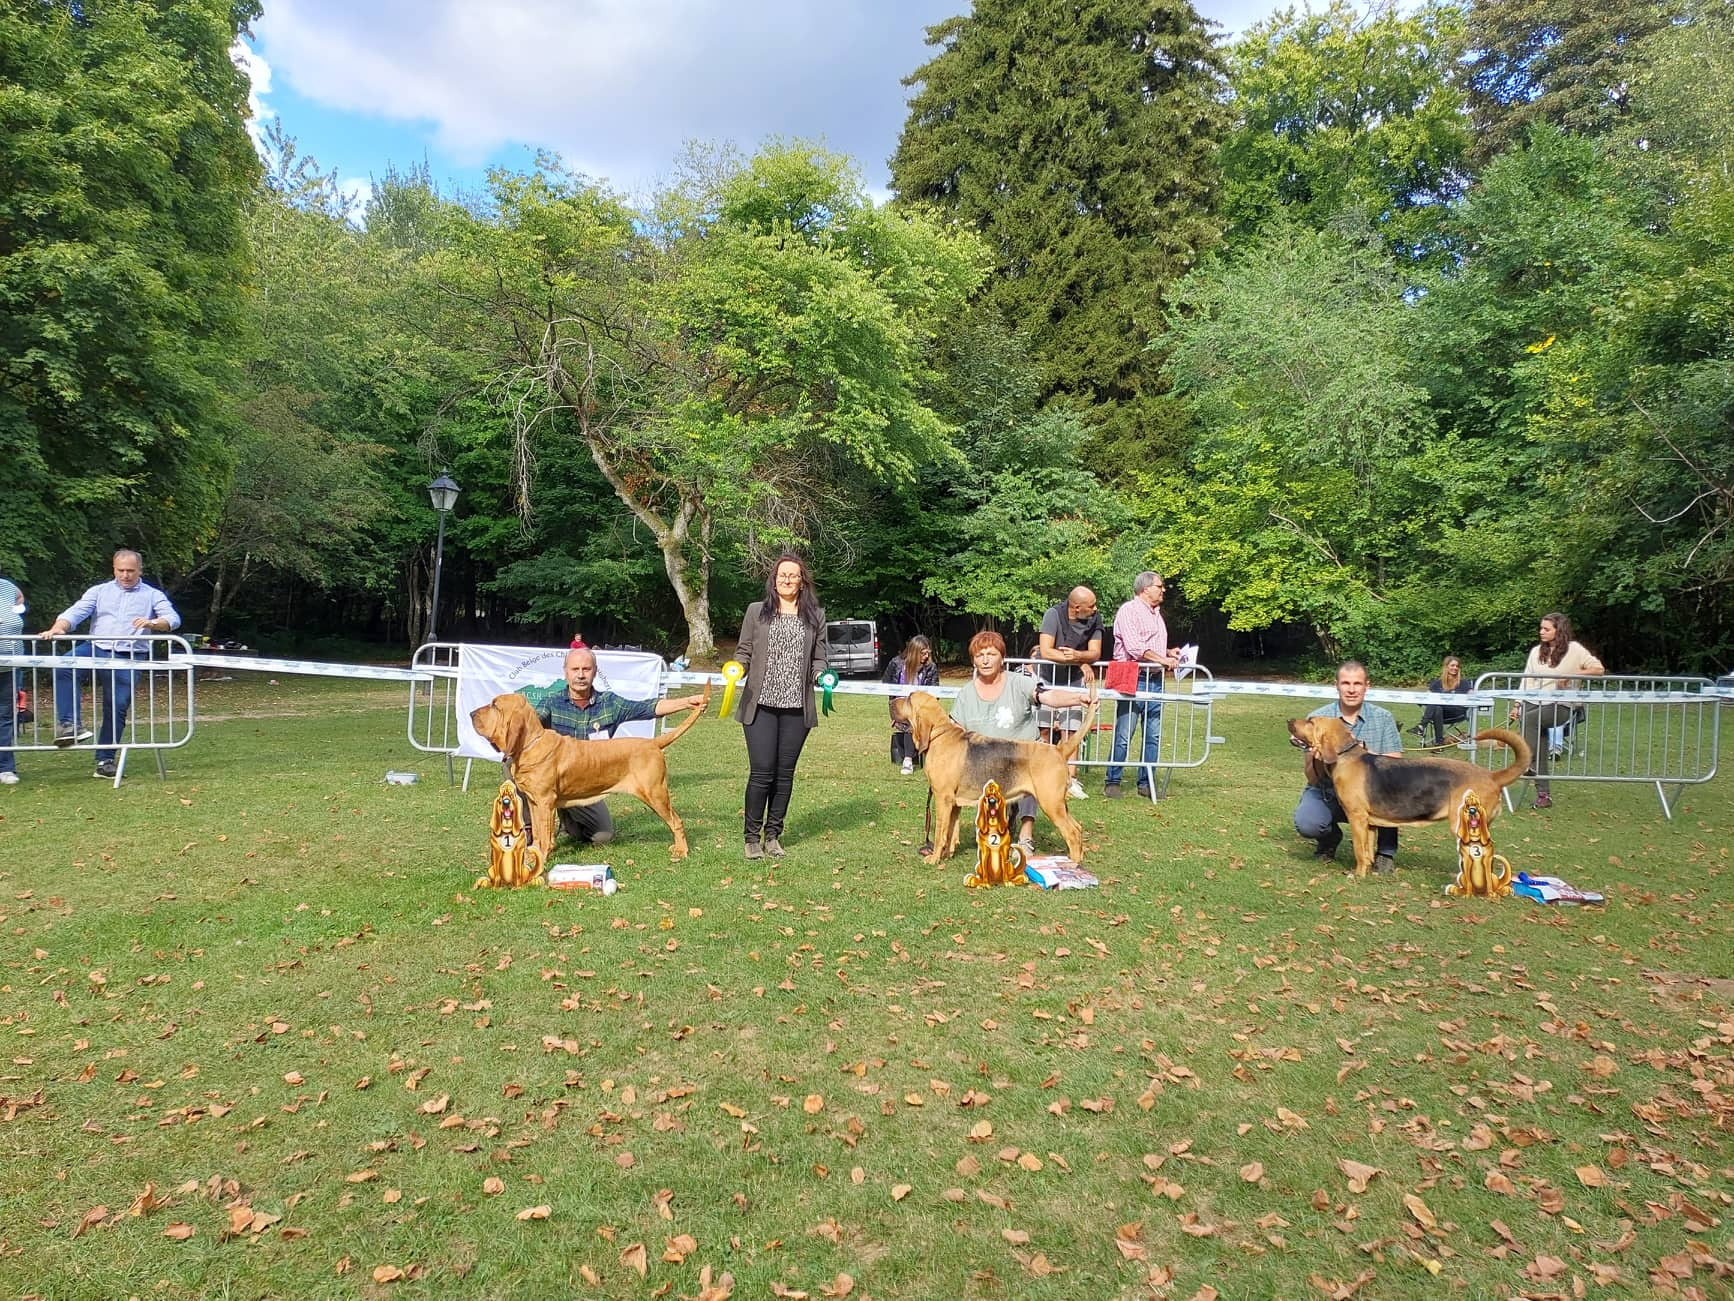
119,611
1553,663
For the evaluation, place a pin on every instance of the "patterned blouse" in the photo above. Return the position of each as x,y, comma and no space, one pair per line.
785,663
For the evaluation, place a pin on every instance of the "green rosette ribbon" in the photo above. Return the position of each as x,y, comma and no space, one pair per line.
827,684
732,673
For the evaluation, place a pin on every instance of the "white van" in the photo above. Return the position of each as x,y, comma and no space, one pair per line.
854,647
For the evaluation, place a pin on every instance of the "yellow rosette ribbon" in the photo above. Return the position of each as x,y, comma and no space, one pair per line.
732,673
827,684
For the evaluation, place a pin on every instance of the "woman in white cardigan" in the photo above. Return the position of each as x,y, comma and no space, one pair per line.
1554,662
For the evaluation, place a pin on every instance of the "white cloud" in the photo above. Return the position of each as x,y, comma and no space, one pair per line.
258,71
615,85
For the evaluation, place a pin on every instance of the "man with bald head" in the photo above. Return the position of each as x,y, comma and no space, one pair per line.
1071,635
574,707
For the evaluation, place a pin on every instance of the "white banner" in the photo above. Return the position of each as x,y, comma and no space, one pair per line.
488,671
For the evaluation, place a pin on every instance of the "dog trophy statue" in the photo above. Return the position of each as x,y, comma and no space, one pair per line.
998,860
512,860
1480,871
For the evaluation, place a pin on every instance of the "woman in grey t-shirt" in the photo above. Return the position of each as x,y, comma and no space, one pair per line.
1002,704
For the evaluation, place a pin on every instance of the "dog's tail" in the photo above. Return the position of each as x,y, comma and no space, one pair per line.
668,738
1520,753
1073,743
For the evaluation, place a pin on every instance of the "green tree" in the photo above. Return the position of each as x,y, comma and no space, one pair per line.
1079,137
1565,62
1336,111
124,166
1299,500
717,357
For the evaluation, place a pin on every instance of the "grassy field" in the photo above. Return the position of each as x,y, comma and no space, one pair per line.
265,1040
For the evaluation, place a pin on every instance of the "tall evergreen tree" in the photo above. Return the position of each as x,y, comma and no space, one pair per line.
124,164
1079,136
1567,62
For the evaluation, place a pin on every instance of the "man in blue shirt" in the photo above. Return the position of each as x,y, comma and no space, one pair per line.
1319,816
118,612
575,708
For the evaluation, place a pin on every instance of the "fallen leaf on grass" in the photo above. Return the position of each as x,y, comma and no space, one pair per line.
840,1286
813,1103
1591,1176
636,1259
1252,1172
1128,1240
178,1232
146,1202
786,1292
900,1191
536,1212
1418,1208
386,1273
1359,1175
433,1106
1017,1237
493,1185
95,1215
679,1247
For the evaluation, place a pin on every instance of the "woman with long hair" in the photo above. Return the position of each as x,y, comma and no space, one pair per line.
1554,663
1436,718
913,668
782,647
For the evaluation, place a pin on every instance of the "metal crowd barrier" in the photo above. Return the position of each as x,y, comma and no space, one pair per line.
1661,731
159,716
1184,735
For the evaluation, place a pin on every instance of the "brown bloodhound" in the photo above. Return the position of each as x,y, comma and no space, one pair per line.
960,763
555,771
1378,790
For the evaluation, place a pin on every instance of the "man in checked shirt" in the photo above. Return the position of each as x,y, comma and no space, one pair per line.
575,707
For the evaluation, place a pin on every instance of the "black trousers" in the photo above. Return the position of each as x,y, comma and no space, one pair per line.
774,741
903,747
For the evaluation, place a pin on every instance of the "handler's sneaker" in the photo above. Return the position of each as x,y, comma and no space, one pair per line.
1384,864
8,779
66,734
1029,848
1112,791
106,768
1075,790
908,767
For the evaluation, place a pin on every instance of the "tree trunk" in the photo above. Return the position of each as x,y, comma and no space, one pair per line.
217,598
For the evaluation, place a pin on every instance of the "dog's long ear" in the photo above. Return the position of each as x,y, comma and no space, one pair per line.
1324,740
921,720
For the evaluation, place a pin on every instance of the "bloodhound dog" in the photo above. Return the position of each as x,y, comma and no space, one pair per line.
960,763
1378,790
555,771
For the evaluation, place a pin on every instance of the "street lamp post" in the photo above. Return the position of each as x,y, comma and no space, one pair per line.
444,495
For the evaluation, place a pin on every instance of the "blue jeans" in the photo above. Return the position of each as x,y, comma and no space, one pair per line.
115,683
1126,717
1318,815
8,717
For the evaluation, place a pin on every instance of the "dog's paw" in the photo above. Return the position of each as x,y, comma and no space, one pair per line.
482,883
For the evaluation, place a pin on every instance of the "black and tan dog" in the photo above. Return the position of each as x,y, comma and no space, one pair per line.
960,763
1378,790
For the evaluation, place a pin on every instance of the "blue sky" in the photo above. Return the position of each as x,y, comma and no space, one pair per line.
616,86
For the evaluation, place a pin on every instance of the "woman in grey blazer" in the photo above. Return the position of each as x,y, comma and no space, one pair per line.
782,647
